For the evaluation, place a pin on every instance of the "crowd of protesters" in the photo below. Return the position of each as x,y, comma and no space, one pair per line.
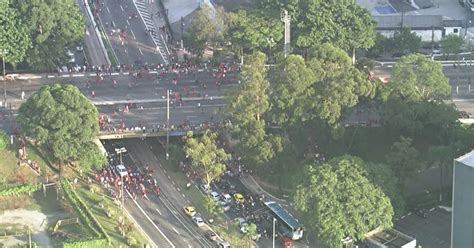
137,183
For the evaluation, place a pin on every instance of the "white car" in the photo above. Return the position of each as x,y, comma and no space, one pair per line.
227,198
198,221
215,195
206,189
121,170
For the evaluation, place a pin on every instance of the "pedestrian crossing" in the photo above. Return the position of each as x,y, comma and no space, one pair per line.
156,35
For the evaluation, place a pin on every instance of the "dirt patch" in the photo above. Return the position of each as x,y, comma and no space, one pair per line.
36,221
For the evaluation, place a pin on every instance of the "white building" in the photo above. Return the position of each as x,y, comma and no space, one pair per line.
428,27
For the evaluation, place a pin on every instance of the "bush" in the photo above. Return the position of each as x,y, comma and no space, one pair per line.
18,189
86,243
3,140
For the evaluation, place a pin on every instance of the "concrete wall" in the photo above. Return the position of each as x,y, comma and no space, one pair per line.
463,206
426,34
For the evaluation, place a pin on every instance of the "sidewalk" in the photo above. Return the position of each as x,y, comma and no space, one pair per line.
252,185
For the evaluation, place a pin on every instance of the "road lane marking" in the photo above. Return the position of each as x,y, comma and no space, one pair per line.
133,34
108,11
77,75
157,210
140,50
122,8
152,222
128,23
176,231
51,76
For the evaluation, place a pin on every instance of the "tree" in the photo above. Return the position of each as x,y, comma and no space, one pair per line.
54,26
404,41
4,140
344,24
14,36
252,233
403,158
338,201
206,27
212,206
451,43
60,119
254,30
207,159
91,157
248,103
417,78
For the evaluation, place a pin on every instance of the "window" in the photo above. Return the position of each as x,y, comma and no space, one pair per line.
455,30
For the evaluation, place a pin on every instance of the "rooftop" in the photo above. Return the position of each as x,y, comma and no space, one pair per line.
414,21
283,214
467,159
389,238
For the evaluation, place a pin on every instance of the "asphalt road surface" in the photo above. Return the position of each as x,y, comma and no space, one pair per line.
127,33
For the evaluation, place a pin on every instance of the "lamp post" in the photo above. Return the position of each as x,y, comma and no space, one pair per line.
167,122
273,236
4,53
119,151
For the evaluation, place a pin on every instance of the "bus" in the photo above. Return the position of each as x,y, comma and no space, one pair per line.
288,225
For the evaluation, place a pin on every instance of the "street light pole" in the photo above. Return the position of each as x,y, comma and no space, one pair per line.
167,122
273,237
4,52
119,151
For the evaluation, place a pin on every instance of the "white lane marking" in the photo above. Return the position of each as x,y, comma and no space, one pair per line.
140,50
157,210
133,34
128,23
151,221
121,7
77,75
108,11
176,231
115,73
65,75
51,76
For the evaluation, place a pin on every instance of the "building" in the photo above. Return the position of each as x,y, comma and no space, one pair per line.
389,238
462,225
428,27
468,4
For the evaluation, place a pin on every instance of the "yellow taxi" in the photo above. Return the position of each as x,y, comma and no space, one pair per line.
239,198
189,211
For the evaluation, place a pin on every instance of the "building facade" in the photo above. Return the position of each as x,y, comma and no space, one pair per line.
462,225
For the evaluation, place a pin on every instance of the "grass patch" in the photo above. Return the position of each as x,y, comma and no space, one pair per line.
95,201
8,166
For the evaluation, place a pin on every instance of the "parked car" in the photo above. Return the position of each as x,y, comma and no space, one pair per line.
239,198
215,195
206,189
211,235
198,221
226,198
189,210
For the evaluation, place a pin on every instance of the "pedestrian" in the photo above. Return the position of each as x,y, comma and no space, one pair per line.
22,95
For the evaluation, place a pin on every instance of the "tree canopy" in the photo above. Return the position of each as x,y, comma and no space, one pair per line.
207,27
248,103
417,78
404,41
451,43
318,89
61,119
208,160
14,36
54,26
254,30
339,201
342,23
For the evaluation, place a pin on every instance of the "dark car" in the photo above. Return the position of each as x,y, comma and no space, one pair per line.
211,235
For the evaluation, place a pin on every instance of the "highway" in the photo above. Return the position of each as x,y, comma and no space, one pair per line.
126,23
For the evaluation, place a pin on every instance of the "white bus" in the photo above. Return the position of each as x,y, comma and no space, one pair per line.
288,225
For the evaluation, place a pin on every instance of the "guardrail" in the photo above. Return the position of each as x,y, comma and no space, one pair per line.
91,17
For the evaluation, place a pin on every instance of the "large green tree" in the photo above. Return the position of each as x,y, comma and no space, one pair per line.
254,30
318,89
61,119
339,201
342,23
14,36
248,103
54,26
403,158
208,160
417,78
91,157
207,27
404,41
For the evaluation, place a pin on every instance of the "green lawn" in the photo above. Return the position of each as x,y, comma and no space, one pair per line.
111,225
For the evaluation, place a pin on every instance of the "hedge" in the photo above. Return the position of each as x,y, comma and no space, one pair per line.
87,243
84,212
18,189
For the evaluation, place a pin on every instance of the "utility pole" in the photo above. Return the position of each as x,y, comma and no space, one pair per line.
4,53
119,151
285,18
167,122
182,31
273,237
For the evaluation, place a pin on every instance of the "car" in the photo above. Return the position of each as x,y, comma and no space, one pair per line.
206,189
211,235
224,205
189,211
70,55
226,198
239,198
215,195
198,221
244,227
121,170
